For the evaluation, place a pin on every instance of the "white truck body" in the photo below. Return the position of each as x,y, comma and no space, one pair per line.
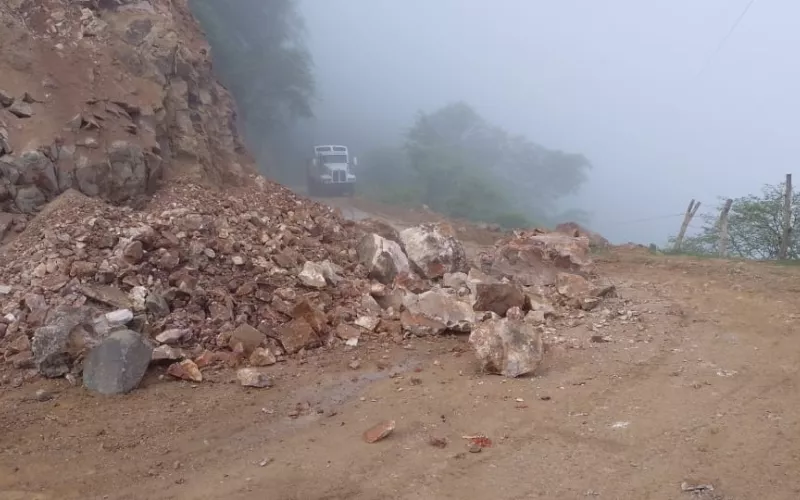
330,171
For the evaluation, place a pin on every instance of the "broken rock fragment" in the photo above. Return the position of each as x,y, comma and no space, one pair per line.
572,286
312,275
117,364
56,346
347,332
249,337
443,307
384,259
498,297
298,334
185,370
507,346
251,377
20,109
166,352
434,250
379,431
172,336
262,357
420,325
368,323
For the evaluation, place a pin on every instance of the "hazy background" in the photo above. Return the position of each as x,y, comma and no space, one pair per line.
617,80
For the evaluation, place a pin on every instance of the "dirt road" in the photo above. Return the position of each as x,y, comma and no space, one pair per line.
692,377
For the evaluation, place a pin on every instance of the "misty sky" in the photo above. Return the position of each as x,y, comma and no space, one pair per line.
616,80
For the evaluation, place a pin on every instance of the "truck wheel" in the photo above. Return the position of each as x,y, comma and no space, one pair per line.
350,190
311,187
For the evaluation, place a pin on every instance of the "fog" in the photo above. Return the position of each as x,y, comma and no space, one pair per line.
638,87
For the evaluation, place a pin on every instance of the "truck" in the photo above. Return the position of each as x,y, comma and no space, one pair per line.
330,172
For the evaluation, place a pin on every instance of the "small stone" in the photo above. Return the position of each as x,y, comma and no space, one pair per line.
185,370
138,297
109,295
437,442
312,315
249,337
40,271
238,260
250,377
133,252
312,275
347,332
206,358
166,353
474,448
262,357
156,305
298,334
172,336
20,109
168,260
368,323
19,344
379,431
355,365
43,395
6,99
498,297
5,290
119,317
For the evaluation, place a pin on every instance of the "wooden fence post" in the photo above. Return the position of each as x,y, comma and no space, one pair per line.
723,229
787,219
690,211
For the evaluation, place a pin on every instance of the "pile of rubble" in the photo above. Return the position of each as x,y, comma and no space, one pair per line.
243,278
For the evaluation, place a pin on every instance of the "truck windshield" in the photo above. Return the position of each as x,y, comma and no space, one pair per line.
334,159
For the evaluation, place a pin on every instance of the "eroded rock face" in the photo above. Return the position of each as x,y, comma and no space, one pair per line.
434,250
66,125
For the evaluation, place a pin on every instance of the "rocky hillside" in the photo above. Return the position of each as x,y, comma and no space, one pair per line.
106,277
108,97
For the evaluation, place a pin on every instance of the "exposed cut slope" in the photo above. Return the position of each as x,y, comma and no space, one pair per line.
107,97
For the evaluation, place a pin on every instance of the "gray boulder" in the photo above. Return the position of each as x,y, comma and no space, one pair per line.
35,168
67,333
434,250
384,259
508,346
117,364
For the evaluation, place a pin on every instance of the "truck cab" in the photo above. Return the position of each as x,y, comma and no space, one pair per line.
331,171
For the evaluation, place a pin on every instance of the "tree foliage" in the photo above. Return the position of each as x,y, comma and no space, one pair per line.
755,227
457,163
261,56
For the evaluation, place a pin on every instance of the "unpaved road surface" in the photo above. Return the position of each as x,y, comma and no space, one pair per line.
696,380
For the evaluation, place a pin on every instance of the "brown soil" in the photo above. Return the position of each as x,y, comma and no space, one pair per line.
695,380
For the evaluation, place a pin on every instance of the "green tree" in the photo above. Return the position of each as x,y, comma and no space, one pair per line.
471,168
755,227
260,54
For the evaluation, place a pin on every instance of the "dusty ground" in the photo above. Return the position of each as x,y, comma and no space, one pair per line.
700,386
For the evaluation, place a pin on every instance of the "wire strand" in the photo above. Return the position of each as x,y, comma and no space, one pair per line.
724,40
